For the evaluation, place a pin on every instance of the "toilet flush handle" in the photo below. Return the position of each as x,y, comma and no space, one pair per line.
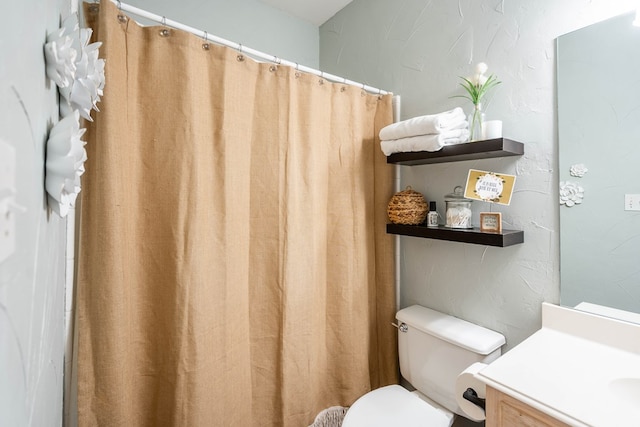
402,327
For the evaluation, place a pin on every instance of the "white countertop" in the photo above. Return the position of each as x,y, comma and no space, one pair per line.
580,368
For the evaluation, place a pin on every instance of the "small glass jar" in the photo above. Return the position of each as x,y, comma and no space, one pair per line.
458,209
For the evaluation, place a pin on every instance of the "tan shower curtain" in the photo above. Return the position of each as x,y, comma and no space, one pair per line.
233,266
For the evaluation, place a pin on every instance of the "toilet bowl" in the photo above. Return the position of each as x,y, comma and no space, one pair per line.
394,405
434,348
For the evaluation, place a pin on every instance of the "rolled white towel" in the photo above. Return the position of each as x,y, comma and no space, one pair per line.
424,125
433,142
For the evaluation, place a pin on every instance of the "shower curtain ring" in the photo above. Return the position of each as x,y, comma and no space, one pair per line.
206,45
121,17
240,56
164,21
94,7
344,83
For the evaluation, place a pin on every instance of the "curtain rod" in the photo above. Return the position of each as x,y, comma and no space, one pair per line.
243,49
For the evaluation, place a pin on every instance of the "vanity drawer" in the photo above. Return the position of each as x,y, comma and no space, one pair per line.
505,411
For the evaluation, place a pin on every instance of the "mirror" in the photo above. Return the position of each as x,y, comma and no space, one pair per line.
599,135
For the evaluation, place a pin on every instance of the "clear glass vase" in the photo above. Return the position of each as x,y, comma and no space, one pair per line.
476,119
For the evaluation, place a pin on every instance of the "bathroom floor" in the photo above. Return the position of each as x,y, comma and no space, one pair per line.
463,422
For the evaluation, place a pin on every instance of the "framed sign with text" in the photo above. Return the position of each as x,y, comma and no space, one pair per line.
489,187
491,222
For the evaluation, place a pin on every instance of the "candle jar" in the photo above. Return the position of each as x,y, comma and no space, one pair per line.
458,211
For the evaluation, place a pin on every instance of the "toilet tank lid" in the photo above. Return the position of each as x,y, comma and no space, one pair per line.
456,331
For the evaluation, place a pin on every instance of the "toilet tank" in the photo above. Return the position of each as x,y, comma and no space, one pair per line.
435,348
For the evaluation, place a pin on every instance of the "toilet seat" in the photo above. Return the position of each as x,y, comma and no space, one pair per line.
394,405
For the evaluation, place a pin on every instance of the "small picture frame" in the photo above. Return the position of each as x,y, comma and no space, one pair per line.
491,222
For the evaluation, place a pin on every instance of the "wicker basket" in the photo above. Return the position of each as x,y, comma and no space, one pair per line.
407,207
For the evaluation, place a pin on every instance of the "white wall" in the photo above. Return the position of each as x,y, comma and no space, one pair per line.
249,22
418,49
32,279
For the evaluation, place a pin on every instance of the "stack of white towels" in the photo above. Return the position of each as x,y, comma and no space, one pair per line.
425,133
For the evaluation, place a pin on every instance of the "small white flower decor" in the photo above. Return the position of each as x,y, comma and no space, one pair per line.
578,170
60,56
65,163
570,193
477,87
73,65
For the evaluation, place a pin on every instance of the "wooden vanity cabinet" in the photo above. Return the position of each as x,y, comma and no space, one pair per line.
505,411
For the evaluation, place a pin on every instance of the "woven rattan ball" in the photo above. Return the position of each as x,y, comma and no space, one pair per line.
407,207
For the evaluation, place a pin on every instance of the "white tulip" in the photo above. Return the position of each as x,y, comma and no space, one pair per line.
481,68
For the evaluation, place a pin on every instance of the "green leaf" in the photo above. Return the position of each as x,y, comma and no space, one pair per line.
477,92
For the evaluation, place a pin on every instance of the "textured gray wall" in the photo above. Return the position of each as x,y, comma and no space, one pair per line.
248,22
32,279
417,49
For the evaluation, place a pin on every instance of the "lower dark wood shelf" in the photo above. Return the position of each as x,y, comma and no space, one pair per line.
468,235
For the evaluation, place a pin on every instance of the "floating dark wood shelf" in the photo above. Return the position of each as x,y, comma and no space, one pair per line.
487,149
470,235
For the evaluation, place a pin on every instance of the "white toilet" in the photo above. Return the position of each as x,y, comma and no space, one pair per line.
434,349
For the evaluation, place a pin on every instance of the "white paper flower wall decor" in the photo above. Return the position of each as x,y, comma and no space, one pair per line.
60,58
65,163
74,66
83,81
578,170
570,193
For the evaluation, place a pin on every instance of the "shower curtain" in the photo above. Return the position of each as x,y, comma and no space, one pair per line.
233,264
